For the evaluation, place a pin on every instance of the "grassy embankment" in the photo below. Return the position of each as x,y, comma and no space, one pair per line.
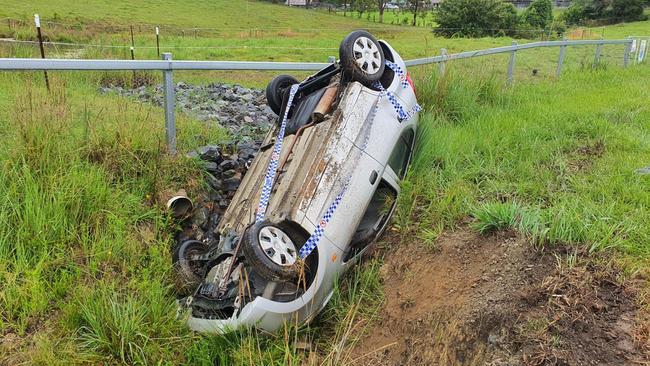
84,245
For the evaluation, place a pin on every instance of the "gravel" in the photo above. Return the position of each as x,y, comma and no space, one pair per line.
224,169
241,110
245,113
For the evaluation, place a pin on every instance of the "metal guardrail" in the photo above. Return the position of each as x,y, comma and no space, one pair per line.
162,65
168,66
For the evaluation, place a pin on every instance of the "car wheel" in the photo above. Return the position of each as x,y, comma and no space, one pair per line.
188,270
362,58
276,89
271,250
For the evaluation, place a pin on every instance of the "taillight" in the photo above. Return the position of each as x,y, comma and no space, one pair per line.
408,79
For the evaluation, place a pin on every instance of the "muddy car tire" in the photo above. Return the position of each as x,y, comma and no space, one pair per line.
362,58
276,89
187,273
272,250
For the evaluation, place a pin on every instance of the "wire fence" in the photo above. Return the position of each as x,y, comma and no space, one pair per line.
633,48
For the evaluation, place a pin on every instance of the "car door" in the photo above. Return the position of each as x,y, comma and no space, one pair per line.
383,203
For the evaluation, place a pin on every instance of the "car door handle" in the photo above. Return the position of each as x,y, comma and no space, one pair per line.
373,177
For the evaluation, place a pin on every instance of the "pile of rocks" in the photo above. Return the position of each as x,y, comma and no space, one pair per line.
242,110
245,113
224,170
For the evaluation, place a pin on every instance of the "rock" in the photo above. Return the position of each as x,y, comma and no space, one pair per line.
200,217
211,166
215,183
215,196
232,106
228,164
229,173
231,184
210,153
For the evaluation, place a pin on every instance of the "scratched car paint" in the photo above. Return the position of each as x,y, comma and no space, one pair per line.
348,140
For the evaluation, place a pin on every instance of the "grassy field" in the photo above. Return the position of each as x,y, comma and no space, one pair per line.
84,242
85,246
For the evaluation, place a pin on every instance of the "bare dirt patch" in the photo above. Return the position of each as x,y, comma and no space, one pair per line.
498,301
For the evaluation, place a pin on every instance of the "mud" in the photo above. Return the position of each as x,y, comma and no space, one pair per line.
475,300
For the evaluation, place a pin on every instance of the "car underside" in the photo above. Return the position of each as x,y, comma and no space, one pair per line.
259,272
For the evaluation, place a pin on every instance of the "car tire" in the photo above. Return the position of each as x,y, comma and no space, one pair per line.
272,250
362,58
188,275
276,89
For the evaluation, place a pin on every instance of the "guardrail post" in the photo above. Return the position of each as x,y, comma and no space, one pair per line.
511,64
442,65
170,121
626,55
599,49
560,61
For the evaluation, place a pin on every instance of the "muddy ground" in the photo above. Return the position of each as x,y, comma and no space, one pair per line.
496,300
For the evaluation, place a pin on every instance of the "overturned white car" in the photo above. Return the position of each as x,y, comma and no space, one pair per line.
320,191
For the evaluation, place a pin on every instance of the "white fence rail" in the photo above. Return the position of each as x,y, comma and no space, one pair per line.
168,66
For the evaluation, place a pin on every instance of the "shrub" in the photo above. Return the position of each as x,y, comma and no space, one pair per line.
627,10
475,18
607,11
539,14
574,14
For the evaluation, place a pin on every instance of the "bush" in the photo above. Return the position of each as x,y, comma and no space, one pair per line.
476,18
627,10
607,11
539,14
574,14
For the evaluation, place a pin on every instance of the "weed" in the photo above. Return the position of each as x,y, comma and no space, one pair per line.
495,216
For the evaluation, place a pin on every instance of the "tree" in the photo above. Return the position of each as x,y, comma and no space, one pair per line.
415,6
381,5
606,11
574,14
539,14
627,10
476,18
363,5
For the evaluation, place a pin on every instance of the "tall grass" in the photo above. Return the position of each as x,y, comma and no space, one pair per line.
555,160
79,193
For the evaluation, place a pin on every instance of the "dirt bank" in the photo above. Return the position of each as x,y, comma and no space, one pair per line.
498,301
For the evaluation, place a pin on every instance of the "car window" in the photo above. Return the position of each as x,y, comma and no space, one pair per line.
399,158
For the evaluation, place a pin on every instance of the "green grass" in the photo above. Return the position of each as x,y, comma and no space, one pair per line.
555,160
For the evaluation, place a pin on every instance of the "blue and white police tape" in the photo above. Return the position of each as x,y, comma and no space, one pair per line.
402,114
313,240
275,157
400,73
